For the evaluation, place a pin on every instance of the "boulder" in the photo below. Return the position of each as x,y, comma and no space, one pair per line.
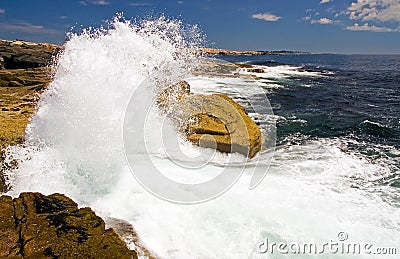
38,226
255,70
216,121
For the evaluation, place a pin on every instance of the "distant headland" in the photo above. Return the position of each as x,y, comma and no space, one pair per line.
225,52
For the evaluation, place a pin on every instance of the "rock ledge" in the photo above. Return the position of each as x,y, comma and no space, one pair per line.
38,226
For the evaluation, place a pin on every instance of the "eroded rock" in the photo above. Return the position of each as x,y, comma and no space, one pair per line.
215,121
129,235
38,226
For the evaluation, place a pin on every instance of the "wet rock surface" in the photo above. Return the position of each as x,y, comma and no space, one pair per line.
216,121
38,226
212,121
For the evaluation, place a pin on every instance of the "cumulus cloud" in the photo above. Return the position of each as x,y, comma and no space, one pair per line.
324,1
269,17
378,10
2,11
367,27
27,28
94,2
323,21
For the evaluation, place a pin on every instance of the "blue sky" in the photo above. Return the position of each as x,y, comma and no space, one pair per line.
329,26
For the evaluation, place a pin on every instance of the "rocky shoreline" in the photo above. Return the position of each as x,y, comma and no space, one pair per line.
34,225
38,226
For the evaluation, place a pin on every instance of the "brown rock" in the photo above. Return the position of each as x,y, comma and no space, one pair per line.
172,94
255,70
128,233
38,226
216,121
23,76
9,235
243,65
19,92
14,84
206,124
22,54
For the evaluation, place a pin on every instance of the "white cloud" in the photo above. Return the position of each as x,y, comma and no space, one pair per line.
331,10
94,2
324,1
2,11
323,21
139,4
367,27
378,10
63,17
27,28
269,17
180,2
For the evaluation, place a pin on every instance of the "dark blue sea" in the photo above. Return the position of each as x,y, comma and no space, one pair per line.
354,98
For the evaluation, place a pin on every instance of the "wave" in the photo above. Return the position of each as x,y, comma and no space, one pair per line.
377,129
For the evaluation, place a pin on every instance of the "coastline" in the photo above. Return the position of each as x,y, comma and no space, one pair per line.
25,72
226,52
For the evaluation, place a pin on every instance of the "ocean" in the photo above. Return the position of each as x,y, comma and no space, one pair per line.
351,99
331,149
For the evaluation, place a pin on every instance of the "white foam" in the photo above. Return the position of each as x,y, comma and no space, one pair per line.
281,71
